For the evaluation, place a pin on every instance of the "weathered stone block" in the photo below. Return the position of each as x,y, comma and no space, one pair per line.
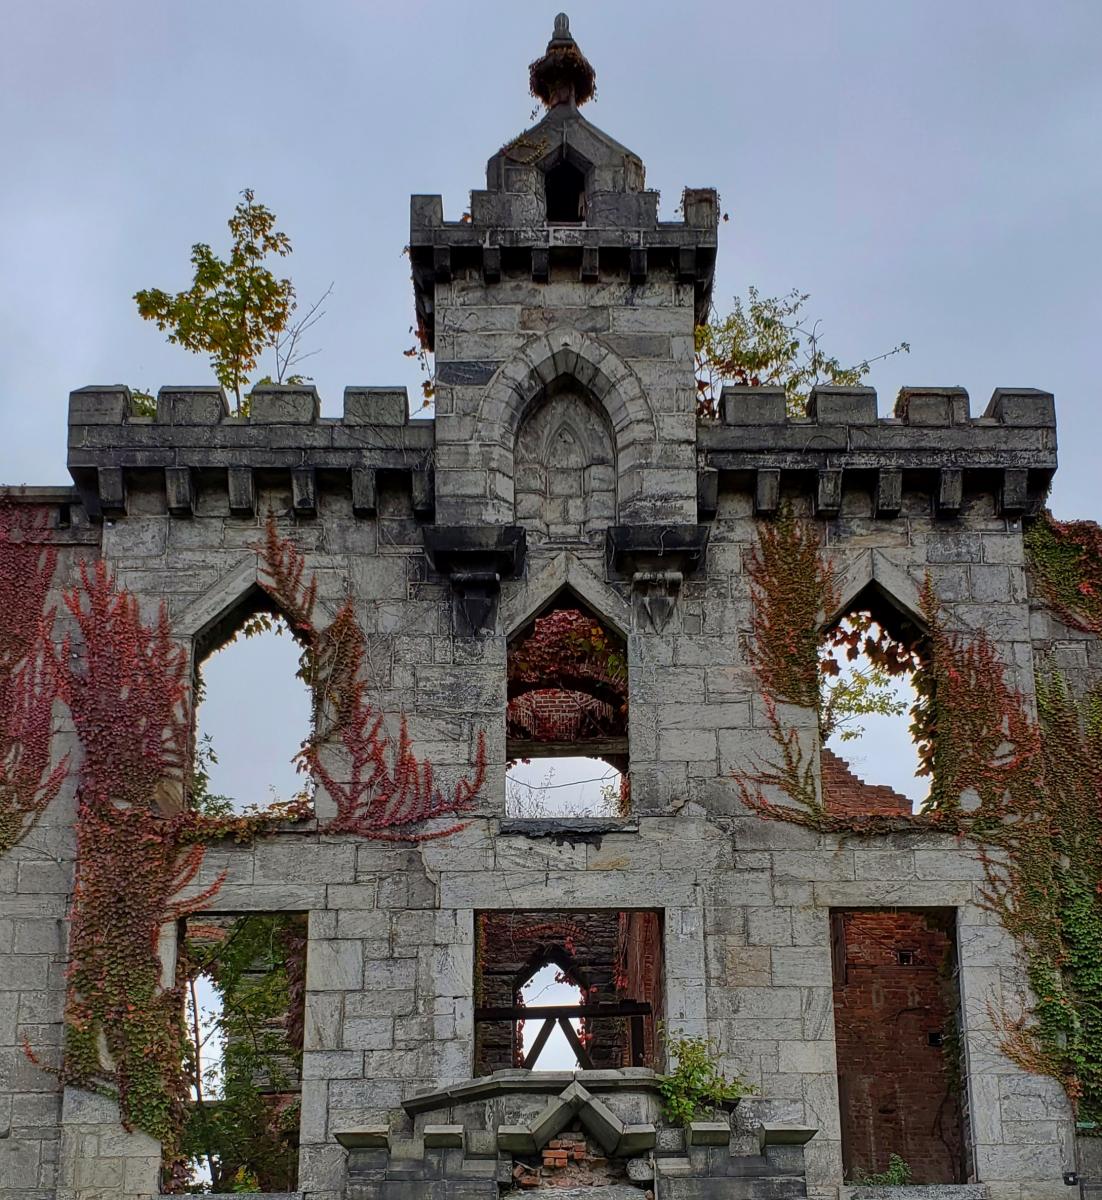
376,406
99,405
1026,407
752,405
842,405
932,406
284,404
191,405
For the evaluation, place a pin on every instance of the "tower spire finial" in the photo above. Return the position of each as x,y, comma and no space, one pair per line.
563,75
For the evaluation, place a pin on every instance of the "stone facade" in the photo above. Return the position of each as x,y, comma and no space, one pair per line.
565,458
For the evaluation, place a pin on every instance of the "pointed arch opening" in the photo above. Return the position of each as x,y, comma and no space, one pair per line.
558,990
565,465
252,709
871,658
566,720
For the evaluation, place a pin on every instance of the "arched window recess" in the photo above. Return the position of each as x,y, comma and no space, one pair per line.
252,711
566,722
871,660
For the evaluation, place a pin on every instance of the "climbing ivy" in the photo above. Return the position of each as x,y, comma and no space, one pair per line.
243,1125
1025,793
383,791
793,588
139,851
1065,562
29,679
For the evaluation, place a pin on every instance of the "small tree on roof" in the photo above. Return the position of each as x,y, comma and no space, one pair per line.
235,307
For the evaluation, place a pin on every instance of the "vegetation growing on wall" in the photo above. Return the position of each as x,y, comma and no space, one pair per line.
140,844
770,342
235,308
139,852
29,674
1027,794
1065,562
695,1088
382,791
243,1126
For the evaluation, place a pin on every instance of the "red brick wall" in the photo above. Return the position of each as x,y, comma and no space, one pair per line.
848,795
640,952
559,715
612,953
894,1085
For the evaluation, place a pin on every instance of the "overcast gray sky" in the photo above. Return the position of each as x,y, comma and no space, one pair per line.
929,171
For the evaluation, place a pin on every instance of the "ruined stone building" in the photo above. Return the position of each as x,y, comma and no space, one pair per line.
565,559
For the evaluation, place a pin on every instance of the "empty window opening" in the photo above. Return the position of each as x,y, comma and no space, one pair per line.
896,1007
243,980
567,990
870,758
566,723
564,787
544,1041
252,706
565,194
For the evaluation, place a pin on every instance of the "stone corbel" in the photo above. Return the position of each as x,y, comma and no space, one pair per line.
657,592
476,594
475,560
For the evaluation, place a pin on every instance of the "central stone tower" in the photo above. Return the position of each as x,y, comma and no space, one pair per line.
563,292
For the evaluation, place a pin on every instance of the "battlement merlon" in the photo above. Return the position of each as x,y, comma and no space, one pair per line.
194,437
508,233
931,444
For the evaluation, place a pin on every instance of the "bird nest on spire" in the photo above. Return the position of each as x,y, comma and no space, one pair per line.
564,71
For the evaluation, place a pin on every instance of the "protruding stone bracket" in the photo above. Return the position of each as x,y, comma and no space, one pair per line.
707,493
657,592
889,492
767,492
304,491
111,492
630,549
777,1133
950,491
374,1137
475,559
242,491
828,494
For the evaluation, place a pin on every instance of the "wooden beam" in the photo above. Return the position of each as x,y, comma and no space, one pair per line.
582,748
584,1061
539,1043
625,1008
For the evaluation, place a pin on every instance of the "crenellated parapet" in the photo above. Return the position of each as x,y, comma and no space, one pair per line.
194,442
508,236
931,444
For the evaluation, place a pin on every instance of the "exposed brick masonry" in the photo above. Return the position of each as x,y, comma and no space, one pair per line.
847,794
895,1086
